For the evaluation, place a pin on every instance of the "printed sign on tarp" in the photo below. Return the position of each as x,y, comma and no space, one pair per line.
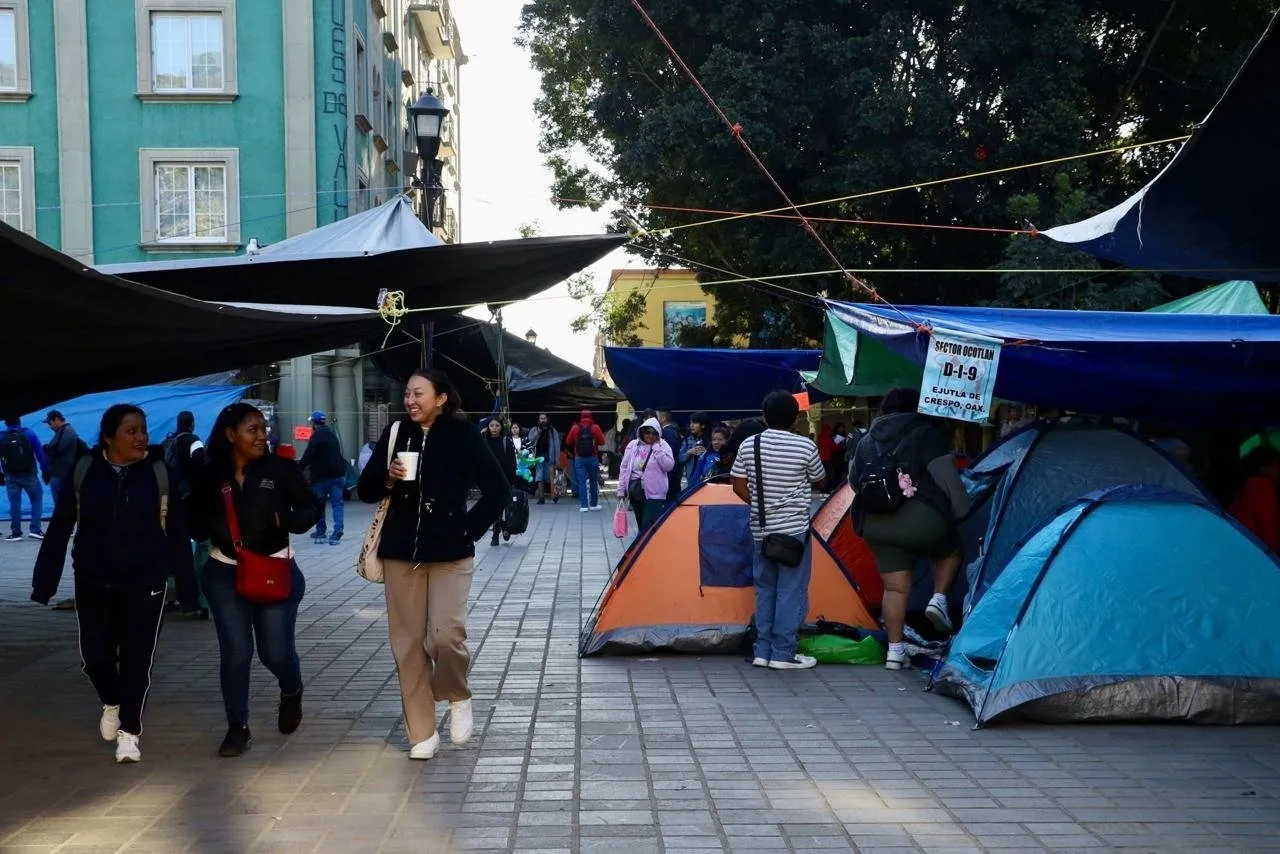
959,376
302,433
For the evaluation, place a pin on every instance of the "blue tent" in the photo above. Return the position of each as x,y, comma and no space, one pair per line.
1131,604
1037,470
162,403
1173,368
1212,210
723,383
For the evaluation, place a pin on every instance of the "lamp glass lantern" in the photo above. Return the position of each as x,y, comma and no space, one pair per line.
428,114
531,336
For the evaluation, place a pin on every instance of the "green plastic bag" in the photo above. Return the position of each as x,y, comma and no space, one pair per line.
834,649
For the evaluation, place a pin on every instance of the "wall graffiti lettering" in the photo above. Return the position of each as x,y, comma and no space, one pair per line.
335,102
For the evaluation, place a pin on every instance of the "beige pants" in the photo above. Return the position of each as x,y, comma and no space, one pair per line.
426,617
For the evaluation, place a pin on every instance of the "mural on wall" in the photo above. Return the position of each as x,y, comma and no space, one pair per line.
335,111
677,315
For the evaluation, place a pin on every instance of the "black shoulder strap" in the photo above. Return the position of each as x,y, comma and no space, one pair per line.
759,481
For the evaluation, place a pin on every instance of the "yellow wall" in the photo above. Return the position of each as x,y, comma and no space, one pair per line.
662,287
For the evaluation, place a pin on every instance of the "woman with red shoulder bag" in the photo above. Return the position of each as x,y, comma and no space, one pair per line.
246,502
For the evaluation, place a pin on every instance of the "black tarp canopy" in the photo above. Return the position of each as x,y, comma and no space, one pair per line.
448,278
1212,212
70,330
539,381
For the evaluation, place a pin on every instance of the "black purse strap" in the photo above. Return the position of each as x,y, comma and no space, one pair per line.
759,482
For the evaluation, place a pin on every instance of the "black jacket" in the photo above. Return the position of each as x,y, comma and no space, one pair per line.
119,541
428,520
917,444
273,487
504,451
671,435
62,452
324,455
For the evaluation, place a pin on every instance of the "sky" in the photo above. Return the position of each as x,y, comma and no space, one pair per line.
505,183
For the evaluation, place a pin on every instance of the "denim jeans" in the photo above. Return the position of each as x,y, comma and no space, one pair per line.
15,485
586,474
55,489
782,601
239,623
330,489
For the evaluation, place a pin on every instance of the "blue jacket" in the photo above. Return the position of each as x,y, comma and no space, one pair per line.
41,461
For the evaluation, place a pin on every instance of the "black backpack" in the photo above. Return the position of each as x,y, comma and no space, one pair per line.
586,442
878,490
17,454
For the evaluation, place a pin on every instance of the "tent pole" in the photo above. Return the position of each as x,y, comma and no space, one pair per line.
428,343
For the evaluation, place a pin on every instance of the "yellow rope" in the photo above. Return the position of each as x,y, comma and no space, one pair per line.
921,185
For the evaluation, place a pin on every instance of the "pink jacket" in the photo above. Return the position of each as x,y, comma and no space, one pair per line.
651,463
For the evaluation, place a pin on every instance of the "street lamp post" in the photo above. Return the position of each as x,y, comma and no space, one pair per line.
428,115
532,337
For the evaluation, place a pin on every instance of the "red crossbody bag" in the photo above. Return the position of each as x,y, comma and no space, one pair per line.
259,578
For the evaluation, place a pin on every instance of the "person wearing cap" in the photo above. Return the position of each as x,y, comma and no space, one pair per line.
328,468
61,452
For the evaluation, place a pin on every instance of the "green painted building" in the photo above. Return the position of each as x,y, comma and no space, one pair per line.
139,129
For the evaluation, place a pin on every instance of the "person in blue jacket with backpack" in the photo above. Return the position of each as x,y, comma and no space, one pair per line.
23,463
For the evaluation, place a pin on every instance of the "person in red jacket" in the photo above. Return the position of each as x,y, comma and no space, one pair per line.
585,440
1257,507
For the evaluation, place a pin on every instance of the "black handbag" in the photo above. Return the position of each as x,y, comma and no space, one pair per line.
635,489
782,549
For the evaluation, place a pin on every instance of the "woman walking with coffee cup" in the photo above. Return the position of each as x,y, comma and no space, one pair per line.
428,548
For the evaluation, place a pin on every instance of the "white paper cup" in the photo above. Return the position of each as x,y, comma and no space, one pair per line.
409,459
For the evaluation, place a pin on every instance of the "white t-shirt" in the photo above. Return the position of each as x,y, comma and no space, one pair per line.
790,464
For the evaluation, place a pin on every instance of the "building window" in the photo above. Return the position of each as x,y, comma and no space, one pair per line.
186,50
362,78
190,199
15,56
17,188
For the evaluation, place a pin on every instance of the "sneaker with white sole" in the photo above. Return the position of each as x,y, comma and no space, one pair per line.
461,722
584,509
897,660
109,723
13,538
758,661
797,662
127,748
939,617
426,749
36,535
595,508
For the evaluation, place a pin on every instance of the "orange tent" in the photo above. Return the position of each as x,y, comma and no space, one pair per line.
685,584
834,525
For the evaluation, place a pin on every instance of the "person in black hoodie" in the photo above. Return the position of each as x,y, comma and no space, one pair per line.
328,469
904,444
504,451
271,500
427,547
130,536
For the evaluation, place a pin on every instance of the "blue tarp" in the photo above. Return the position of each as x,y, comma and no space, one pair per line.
1211,213
722,383
162,403
1172,368
1133,604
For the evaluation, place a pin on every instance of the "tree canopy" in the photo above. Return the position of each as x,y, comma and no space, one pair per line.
847,97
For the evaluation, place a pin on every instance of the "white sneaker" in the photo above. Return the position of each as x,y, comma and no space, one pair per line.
584,509
897,660
109,723
461,722
760,662
127,748
938,615
797,662
426,749
595,508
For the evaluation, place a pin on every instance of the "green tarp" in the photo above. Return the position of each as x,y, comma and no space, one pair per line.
1238,297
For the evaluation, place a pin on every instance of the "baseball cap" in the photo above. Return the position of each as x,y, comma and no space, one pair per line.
54,415
317,417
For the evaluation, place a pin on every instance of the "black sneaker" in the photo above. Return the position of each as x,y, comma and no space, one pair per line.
13,538
36,535
335,538
290,712
237,741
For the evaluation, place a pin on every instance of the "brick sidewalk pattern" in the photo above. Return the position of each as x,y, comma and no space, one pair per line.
634,755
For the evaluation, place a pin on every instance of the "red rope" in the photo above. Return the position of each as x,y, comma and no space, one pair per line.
736,131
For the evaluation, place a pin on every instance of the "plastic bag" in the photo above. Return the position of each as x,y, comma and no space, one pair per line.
834,649
621,520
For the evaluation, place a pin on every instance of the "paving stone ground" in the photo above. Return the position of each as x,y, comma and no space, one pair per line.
636,755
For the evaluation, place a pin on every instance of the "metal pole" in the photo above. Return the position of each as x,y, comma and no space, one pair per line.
426,211
503,403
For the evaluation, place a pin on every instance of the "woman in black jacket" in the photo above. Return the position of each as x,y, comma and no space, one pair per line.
502,446
428,548
130,536
271,500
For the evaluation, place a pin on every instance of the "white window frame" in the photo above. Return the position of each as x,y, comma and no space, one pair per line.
25,158
144,9
150,158
22,47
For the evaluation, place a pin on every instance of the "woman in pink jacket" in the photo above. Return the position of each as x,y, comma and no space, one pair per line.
646,463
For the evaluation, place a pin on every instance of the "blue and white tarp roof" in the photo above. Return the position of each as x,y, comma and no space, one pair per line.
1171,368
1212,212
